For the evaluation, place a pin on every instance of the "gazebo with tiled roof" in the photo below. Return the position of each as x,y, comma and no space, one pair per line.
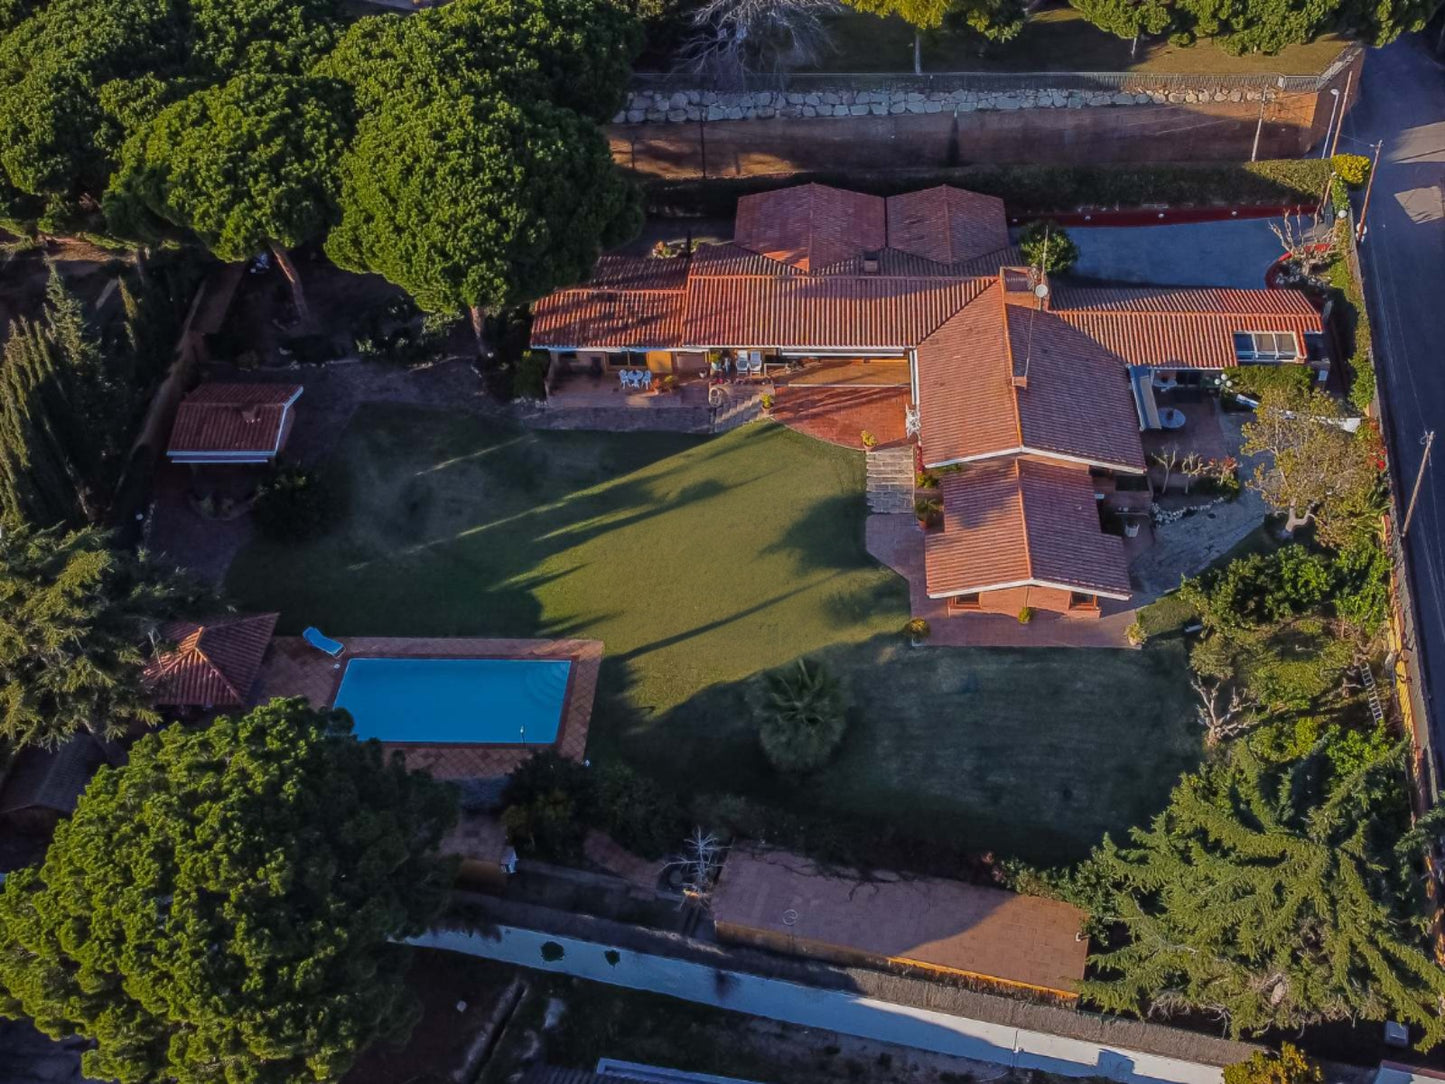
214,663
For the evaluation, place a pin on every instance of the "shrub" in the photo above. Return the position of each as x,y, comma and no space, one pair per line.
803,717
926,479
1026,615
767,400
868,439
547,801
1045,244
1353,169
917,629
529,376
1289,1066
1255,380
1032,190
1136,634
296,505
636,811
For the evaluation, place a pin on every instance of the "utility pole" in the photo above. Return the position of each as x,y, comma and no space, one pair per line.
1344,105
1420,477
1334,107
1259,125
1369,187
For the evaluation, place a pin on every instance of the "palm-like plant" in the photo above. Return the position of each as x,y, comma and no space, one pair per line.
803,717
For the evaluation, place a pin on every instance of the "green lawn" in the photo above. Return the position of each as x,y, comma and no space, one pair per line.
700,563
1055,39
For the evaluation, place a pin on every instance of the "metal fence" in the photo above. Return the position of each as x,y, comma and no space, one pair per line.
993,82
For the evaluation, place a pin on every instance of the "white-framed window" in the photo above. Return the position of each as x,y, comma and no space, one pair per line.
1266,346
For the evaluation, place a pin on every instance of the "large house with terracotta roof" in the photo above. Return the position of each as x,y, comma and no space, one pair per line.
1032,397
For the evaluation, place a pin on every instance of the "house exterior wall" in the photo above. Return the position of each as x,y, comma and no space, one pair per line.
1011,600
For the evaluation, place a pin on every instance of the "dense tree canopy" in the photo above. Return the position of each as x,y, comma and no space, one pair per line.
478,203
77,76
996,20
1255,26
75,622
247,165
219,909
1276,892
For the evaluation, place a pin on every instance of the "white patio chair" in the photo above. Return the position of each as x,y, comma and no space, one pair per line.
644,379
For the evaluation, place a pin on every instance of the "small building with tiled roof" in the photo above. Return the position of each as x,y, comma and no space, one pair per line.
786,903
41,786
1048,388
214,663
233,423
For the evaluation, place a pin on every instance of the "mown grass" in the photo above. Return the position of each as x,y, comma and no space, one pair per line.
700,564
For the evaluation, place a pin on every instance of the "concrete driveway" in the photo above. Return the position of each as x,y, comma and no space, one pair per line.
1234,253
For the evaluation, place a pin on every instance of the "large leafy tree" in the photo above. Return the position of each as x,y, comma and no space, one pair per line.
220,908
996,20
477,202
248,165
1259,26
1313,469
1276,893
75,621
78,76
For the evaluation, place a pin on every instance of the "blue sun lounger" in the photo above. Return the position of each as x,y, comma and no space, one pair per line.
313,636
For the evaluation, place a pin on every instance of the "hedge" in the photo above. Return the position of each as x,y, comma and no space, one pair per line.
1031,190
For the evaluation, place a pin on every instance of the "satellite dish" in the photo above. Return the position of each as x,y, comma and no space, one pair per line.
1041,291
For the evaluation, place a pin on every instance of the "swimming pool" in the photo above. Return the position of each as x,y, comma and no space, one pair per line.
463,701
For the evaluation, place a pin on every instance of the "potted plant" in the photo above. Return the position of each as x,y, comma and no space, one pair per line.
917,631
868,439
1026,615
766,399
929,511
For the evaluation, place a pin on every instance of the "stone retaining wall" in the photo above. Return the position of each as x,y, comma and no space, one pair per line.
657,107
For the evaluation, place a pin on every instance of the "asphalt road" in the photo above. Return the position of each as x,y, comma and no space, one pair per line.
1402,102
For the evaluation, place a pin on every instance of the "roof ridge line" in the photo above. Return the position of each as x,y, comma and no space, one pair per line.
1008,352
215,666
1018,469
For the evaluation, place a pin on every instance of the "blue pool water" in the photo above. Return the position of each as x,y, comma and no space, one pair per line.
491,701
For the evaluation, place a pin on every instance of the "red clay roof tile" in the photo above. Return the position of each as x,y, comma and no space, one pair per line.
810,226
231,420
214,663
947,225
1022,521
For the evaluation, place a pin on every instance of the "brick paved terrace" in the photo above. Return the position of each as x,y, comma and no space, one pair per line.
294,668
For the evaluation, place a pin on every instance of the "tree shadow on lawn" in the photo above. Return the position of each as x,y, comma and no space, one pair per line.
951,752
414,556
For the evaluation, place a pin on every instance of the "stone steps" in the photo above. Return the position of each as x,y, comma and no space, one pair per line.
890,479
736,409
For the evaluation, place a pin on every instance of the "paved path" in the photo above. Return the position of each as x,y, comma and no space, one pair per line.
1403,103
835,1010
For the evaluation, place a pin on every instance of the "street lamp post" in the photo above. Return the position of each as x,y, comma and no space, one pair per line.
1334,105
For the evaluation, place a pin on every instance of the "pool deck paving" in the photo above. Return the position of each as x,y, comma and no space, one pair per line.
294,668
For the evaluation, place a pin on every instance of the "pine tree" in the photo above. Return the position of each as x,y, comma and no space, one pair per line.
76,619
1276,894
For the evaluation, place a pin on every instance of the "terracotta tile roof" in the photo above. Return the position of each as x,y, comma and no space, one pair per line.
787,902
1189,328
810,226
609,319
1175,299
1076,402
214,663
965,397
231,420
639,273
945,224
732,259
821,312
1022,521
